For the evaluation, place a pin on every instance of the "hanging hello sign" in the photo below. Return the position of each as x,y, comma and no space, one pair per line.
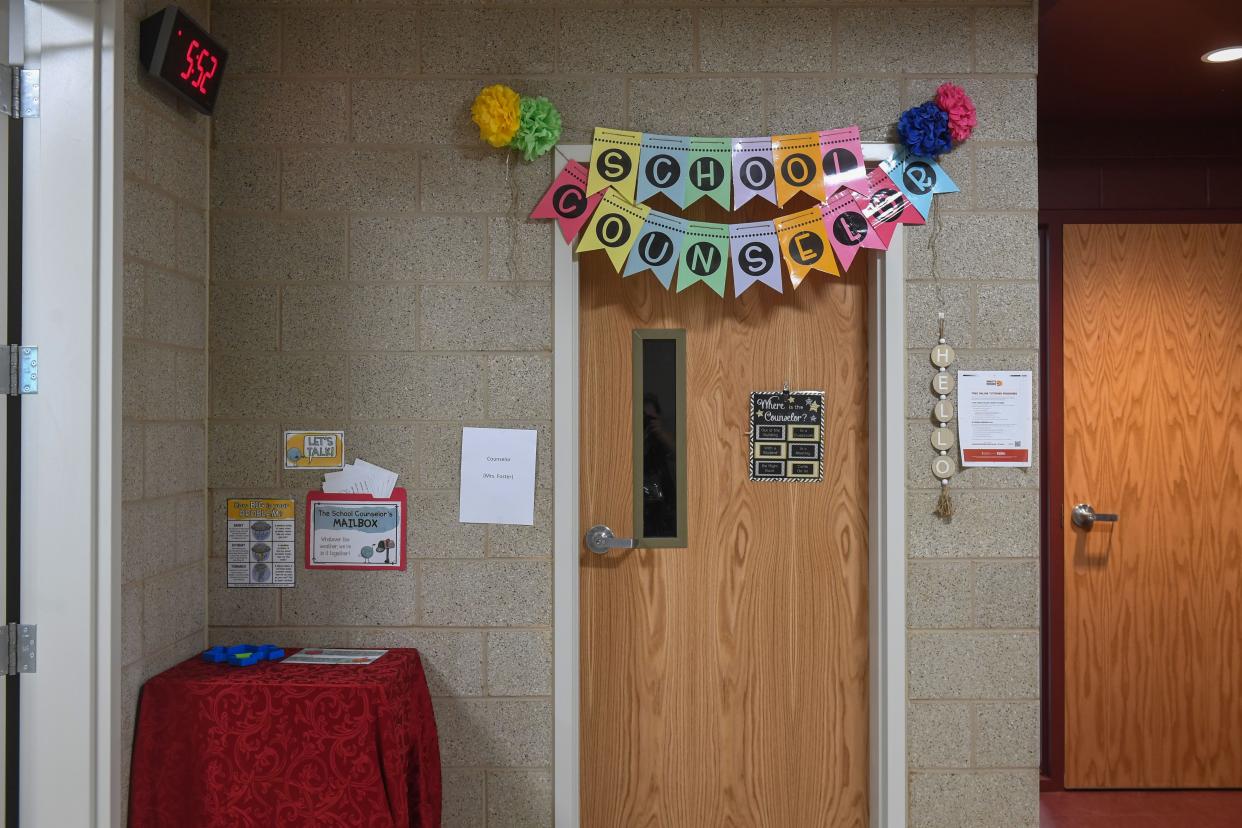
602,204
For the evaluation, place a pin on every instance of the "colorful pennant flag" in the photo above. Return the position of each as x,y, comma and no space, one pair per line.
709,173
614,161
753,173
704,257
798,166
567,202
920,178
755,252
843,165
804,244
614,227
848,230
657,247
887,206
662,167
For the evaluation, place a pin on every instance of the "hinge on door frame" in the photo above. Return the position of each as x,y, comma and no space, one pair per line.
19,644
23,370
19,91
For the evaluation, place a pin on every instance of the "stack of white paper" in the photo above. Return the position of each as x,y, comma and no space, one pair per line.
360,477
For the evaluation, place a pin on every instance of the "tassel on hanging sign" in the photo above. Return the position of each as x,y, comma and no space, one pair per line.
842,155
709,174
614,228
798,170
754,176
704,257
567,202
887,207
756,257
657,247
662,167
920,178
614,161
848,230
804,244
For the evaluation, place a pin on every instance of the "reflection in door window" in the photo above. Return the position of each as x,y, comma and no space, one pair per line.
659,437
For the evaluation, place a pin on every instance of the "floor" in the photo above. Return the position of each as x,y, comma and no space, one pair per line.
1141,809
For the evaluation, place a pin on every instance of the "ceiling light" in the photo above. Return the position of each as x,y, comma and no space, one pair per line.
1223,55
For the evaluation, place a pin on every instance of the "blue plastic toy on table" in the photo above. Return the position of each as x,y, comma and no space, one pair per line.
243,655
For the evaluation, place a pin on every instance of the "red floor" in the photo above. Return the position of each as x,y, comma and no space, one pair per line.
1141,809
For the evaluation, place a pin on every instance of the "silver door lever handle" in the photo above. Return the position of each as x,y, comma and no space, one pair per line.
599,539
1085,516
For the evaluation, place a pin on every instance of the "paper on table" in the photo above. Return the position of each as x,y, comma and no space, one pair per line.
331,656
498,476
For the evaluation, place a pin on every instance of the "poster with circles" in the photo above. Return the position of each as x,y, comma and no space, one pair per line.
260,538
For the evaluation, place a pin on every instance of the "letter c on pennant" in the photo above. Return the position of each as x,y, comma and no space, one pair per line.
569,201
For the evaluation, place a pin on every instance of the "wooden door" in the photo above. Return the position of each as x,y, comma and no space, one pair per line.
1153,432
725,683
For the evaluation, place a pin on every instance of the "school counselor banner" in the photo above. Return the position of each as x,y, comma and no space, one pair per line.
601,204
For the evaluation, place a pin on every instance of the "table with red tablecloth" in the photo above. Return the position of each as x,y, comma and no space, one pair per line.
280,744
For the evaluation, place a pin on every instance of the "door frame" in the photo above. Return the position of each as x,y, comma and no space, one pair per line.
886,527
69,753
1052,471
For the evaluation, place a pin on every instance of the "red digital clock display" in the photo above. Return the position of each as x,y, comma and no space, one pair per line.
182,54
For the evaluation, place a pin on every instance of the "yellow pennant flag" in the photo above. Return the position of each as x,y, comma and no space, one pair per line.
614,228
804,244
614,161
799,166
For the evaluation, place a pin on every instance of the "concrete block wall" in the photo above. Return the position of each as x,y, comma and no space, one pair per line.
164,381
371,269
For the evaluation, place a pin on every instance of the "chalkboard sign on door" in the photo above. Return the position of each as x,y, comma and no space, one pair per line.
787,436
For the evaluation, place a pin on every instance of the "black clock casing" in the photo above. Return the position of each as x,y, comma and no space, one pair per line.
184,55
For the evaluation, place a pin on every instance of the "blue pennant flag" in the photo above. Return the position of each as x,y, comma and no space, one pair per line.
658,247
662,165
920,178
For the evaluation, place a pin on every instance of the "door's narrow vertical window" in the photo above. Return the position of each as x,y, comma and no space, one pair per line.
660,514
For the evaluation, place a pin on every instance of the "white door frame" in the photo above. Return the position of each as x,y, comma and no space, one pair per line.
887,499
68,773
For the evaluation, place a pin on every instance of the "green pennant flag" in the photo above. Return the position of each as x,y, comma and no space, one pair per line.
704,257
709,171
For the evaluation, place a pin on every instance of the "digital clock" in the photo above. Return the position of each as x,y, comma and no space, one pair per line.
183,55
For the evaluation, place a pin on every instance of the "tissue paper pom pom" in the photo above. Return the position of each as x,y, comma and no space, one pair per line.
539,129
924,129
959,107
496,111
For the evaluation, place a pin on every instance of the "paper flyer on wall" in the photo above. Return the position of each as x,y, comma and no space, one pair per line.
995,423
260,541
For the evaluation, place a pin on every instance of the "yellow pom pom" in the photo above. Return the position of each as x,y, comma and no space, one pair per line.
497,111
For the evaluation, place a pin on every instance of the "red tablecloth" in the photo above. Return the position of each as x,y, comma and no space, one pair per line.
287,745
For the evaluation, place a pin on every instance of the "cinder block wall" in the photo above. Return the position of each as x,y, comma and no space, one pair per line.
372,270
164,383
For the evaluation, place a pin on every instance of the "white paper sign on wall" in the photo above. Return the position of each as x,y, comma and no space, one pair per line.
498,476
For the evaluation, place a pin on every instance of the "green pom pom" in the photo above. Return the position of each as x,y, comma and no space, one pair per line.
538,129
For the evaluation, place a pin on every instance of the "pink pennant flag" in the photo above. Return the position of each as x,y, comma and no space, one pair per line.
848,230
567,202
886,207
843,161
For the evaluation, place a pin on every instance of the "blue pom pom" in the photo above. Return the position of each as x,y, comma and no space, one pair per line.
924,129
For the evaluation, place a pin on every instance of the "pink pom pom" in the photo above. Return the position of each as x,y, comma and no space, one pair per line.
960,108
